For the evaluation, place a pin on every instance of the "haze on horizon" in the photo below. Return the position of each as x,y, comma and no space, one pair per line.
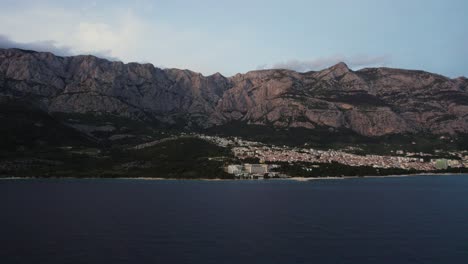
211,36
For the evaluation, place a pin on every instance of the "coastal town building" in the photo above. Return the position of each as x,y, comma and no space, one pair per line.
260,169
234,169
253,171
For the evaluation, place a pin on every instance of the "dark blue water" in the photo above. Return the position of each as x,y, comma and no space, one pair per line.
391,220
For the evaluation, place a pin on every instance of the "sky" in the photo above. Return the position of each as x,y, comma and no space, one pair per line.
230,37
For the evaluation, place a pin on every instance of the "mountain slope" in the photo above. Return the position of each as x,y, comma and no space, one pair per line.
24,126
371,102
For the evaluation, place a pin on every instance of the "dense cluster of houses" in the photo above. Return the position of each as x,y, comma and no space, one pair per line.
244,149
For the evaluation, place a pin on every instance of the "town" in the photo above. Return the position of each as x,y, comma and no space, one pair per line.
268,155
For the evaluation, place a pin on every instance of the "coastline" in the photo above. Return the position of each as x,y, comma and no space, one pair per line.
298,179
376,177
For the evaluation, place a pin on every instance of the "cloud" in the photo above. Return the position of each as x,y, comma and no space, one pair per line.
50,46
118,32
115,32
358,61
47,45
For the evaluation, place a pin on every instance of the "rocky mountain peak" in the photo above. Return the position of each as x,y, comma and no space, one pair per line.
340,66
217,75
339,69
336,71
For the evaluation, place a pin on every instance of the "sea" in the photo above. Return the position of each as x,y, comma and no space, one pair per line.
420,219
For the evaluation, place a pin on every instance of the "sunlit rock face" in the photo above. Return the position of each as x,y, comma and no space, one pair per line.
371,102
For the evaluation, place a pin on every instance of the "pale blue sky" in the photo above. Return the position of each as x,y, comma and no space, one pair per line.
238,36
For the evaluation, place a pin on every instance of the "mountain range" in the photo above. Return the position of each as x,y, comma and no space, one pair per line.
370,101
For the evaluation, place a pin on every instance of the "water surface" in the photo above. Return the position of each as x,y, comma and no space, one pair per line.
376,220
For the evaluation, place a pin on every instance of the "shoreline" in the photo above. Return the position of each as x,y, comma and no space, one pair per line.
376,177
298,179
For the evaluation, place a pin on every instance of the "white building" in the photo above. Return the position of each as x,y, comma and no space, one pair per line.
256,168
234,169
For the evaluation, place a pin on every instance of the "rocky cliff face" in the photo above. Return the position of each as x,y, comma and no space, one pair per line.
84,84
372,102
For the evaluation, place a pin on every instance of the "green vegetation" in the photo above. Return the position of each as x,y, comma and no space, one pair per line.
320,137
36,144
139,130
25,127
184,158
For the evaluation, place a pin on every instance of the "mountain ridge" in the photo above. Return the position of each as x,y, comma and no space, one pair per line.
369,101
239,73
